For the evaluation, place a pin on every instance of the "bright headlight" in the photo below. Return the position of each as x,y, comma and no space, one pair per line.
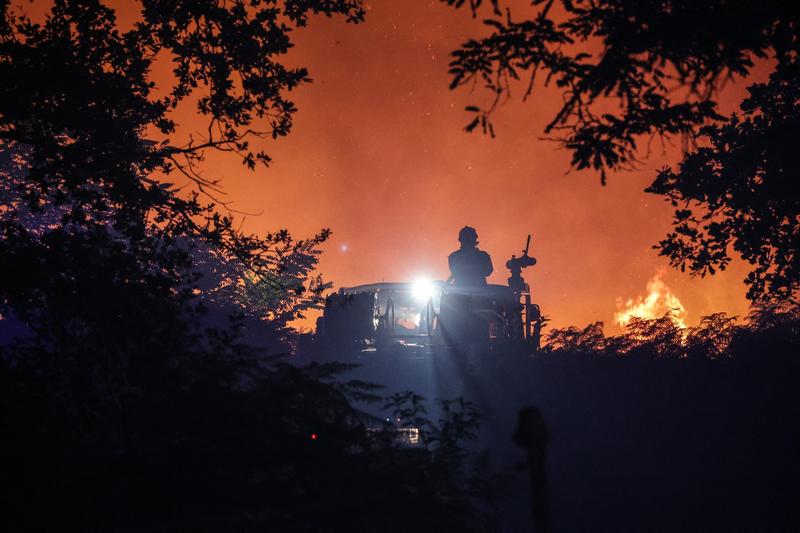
423,289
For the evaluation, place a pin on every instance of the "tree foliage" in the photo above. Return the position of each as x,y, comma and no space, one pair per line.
576,340
131,400
100,131
716,336
90,139
629,70
740,191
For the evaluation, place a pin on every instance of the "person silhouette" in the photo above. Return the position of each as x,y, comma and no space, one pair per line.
469,266
533,436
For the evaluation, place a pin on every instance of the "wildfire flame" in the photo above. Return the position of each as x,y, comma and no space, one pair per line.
658,302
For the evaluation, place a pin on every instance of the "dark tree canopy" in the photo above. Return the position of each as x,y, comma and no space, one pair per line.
740,190
774,325
96,133
133,398
91,138
633,69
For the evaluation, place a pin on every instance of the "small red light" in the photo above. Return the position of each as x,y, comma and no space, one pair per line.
313,436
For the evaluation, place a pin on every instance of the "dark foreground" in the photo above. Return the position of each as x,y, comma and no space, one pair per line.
638,444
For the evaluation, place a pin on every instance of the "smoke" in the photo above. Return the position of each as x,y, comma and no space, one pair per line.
658,301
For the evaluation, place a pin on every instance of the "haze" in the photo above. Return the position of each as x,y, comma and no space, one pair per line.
378,154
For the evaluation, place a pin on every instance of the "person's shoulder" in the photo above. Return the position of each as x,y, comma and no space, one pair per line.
484,254
457,253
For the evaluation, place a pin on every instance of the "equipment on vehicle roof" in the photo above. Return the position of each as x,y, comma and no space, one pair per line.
419,316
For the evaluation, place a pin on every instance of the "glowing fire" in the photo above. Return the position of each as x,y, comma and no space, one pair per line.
658,302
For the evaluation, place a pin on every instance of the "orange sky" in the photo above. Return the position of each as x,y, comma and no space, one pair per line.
378,154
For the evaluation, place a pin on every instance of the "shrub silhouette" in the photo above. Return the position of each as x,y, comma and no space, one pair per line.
716,336
132,396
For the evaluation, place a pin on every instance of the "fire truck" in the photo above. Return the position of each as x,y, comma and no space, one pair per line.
420,316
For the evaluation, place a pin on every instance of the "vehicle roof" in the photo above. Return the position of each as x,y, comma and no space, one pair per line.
372,287
486,290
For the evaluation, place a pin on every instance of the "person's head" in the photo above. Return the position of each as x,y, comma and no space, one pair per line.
468,237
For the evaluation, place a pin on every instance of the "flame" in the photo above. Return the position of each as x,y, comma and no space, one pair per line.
658,302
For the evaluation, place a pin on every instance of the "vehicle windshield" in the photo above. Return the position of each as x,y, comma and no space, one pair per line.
410,313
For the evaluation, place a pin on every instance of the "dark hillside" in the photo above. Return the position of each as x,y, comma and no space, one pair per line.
640,443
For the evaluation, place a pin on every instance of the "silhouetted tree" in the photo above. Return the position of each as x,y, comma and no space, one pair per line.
770,328
629,70
716,336
449,492
91,136
768,315
131,400
94,137
740,191
712,337
588,340
653,338
659,337
269,300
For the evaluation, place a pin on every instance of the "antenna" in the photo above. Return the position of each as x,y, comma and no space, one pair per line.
527,245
